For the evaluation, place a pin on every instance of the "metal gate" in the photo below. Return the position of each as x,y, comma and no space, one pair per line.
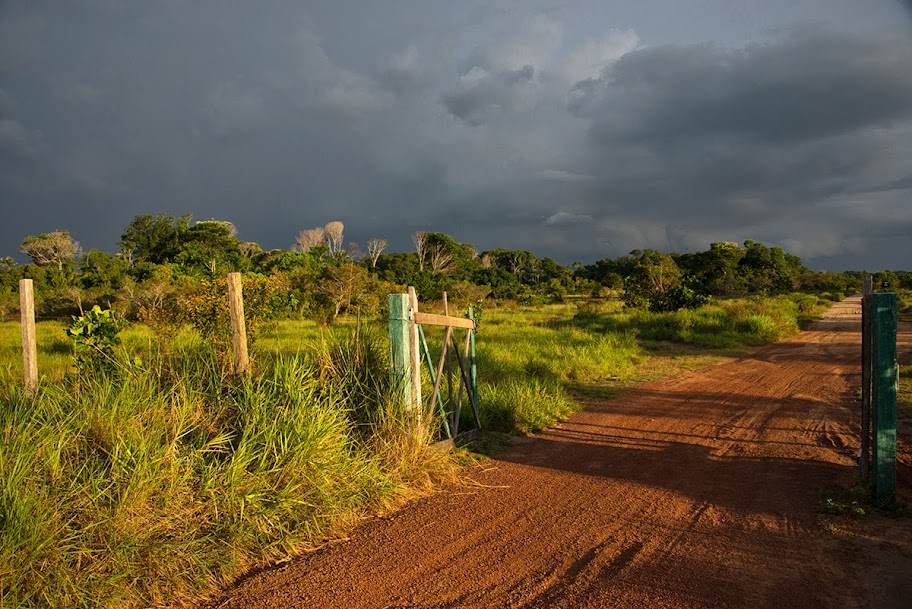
455,370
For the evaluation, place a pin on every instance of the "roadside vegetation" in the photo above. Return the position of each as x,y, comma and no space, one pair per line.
904,385
142,473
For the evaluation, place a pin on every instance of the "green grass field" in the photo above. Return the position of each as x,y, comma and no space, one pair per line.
163,477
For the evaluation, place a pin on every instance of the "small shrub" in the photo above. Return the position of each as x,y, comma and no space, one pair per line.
94,335
476,311
207,309
762,326
587,310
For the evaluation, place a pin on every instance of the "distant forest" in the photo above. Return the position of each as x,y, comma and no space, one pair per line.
162,259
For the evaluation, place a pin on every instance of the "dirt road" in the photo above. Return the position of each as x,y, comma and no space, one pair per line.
700,491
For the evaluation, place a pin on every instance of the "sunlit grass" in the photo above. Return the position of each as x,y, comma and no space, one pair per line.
55,349
904,385
165,477
142,485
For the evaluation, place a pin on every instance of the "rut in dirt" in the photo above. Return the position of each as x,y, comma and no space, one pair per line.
700,491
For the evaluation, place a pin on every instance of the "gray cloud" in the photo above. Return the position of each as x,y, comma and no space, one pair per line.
479,94
765,141
516,127
813,83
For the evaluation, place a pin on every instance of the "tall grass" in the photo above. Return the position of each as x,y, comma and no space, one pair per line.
165,477
146,485
724,324
904,304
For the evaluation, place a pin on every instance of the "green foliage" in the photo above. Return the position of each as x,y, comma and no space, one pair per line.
94,336
98,269
354,364
55,249
476,312
726,269
206,309
210,247
127,491
724,324
154,239
656,283
904,304
524,405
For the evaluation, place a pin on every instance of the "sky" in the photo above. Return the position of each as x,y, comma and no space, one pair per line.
578,130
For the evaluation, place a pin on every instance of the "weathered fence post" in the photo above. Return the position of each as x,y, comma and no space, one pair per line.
864,456
400,358
449,355
473,365
884,378
29,342
414,351
241,363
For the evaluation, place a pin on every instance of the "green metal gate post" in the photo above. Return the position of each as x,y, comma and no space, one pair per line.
864,456
400,355
885,374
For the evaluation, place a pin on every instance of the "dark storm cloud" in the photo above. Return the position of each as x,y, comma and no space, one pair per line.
480,94
731,141
500,127
811,84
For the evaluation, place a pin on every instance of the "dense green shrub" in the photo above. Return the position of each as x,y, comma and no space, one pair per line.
94,335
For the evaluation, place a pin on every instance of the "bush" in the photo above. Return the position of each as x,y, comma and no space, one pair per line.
94,336
207,308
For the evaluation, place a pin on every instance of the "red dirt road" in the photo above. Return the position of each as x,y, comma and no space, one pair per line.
700,491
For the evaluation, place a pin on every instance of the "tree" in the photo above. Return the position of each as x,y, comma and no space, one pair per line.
310,238
156,239
521,263
250,249
716,270
440,258
100,269
211,245
333,231
344,284
444,255
654,280
374,248
420,239
767,268
353,251
398,267
54,249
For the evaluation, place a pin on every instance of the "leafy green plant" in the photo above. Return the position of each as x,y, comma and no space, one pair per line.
207,308
94,335
477,311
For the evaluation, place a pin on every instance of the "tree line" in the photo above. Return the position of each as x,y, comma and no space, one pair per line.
161,259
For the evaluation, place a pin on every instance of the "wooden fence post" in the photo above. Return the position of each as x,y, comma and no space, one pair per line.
473,365
864,456
29,342
415,352
884,377
241,363
400,357
449,355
